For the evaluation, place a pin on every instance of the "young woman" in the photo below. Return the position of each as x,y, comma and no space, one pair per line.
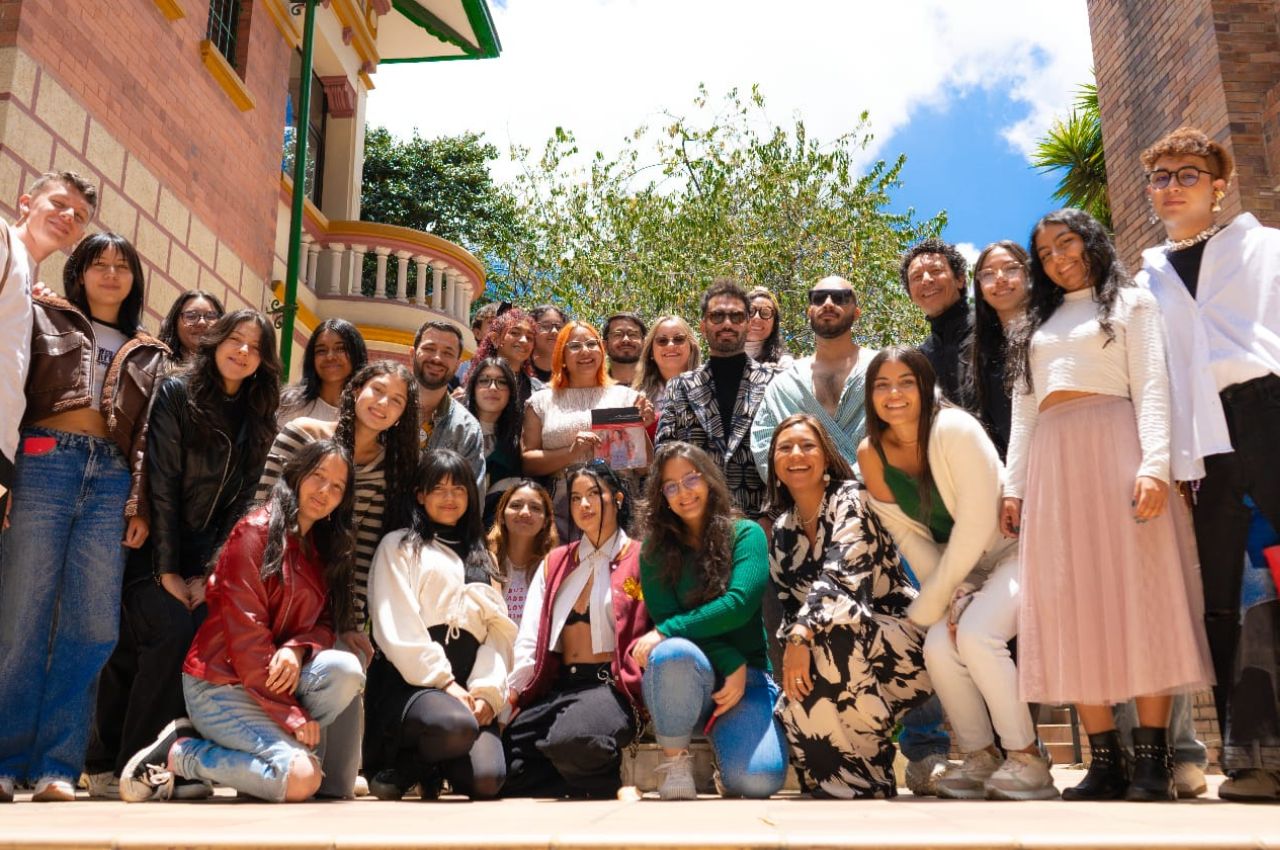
669,349
548,320
262,679
78,494
444,642
192,313
935,481
764,329
557,420
335,352
511,338
494,402
521,536
575,687
703,570
999,301
1107,610
1215,282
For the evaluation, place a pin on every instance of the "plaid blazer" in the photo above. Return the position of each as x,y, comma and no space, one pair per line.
690,413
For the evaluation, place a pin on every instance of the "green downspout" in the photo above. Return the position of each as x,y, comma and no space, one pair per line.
293,269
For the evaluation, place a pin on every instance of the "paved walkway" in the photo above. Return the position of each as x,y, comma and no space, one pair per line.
783,822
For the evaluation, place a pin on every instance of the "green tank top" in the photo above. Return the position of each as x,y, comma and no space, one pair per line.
906,491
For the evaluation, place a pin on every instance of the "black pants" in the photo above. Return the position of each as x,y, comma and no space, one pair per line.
140,689
1246,698
569,744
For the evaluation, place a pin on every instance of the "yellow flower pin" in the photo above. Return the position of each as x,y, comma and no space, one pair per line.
631,587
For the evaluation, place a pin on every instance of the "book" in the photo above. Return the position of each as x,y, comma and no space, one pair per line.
623,441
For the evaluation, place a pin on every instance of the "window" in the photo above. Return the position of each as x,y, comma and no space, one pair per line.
228,20
315,124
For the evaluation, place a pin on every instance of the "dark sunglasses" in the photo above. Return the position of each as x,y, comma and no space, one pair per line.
838,297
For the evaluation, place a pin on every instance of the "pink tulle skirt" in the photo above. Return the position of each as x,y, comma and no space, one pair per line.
1110,608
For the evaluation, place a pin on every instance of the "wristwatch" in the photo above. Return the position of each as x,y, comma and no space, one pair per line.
797,639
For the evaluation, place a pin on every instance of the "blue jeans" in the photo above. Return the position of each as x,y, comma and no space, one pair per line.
61,567
243,747
749,744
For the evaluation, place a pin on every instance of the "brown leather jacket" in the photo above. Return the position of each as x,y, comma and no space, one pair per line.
61,379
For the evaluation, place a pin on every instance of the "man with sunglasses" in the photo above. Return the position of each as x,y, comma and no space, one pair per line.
713,406
934,274
623,342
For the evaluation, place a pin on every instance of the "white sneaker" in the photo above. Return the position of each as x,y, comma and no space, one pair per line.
102,786
1023,776
51,789
923,775
147,775
362,786
1188,780
967,781
1251,786
677,778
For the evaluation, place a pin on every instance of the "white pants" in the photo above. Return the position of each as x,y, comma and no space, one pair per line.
974,675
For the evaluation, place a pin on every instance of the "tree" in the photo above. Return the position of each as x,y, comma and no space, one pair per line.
710,195
1074,146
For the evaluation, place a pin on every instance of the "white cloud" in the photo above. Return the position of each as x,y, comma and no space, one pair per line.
602,68
969,251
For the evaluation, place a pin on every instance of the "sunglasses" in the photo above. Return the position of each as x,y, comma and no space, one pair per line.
838,297
664,341
733,317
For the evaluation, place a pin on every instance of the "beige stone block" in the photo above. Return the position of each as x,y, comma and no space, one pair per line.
141,186
228,266
65,159
32,143
12,182
105,153
18,75
116,213
202,242
184,268
161,293
49,272
173,215
152,243
57,108
254,289
210,282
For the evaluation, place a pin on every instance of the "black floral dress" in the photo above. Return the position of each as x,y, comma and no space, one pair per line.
850,589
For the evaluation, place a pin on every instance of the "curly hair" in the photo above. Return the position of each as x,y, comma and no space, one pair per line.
548,538
1191,141
667,538
333,538
773,348
308,390
506,431
778,496
488,347
956,260
1104,268
400,441
987,344
168,333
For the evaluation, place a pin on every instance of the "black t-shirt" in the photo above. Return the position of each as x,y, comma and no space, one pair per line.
1187,264
726,374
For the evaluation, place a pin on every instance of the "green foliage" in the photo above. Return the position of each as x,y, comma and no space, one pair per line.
1074,147
710,195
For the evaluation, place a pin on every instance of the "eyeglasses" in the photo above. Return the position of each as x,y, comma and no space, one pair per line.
492,383
626,333
1188,176
690,482
577,346
838,297
549,328
765,313
733,317
1013,271
664,341
196,317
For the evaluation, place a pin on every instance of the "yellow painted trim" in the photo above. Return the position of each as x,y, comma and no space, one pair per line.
376,334
304,315
310,211
350,15
429,241
226,77
280,16
171,9
366,80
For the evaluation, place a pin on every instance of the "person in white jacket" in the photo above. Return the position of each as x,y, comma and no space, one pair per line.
444,644
935,481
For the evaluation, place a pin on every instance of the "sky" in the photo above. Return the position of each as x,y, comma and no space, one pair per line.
963,88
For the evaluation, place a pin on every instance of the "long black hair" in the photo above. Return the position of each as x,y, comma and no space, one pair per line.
609,482
332,538
204,384
169,327
1106,273
440,466
308,390
987,344
778,495
506,431
400,441
930,401
129,320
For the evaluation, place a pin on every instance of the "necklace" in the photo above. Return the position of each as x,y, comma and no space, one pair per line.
821,507
1181,244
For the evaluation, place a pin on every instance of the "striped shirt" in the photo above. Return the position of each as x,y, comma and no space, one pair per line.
371,488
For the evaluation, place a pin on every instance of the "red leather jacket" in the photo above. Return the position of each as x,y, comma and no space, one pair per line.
250,619
629,613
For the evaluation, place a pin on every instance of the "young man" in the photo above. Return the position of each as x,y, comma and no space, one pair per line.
934,275
713,407
52,216
623,340
446,423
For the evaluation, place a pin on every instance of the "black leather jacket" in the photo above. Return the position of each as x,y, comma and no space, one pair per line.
200,484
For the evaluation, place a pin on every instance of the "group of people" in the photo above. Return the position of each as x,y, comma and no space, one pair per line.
403,578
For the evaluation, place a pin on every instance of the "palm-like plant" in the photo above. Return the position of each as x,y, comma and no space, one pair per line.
1074,146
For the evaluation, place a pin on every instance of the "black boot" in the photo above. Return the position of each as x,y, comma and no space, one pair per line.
1152,766
1107,778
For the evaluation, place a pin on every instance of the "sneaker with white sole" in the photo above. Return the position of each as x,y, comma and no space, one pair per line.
677,778
102,786
1251,786
54,789
146,776
968,780
1188,780
923,775
1023,776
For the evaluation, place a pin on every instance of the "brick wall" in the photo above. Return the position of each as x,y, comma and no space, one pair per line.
1214,64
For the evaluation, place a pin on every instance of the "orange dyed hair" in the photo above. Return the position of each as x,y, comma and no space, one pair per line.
559,372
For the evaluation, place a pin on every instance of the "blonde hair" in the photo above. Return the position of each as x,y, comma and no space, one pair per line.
649,380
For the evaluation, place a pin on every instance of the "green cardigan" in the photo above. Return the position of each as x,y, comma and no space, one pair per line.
729,628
